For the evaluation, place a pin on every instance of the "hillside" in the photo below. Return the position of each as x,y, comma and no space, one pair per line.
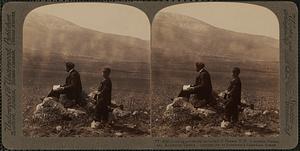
45,34
184,38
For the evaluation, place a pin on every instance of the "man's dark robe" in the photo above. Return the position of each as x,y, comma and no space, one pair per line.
202,87
72,88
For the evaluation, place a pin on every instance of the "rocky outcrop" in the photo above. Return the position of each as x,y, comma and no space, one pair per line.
181,110
49,110
52,109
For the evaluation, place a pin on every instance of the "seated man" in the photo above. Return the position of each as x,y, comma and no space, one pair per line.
72,87
234,97
103,97
202,89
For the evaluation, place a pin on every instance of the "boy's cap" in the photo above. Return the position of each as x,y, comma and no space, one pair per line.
200,64
236,70
106,70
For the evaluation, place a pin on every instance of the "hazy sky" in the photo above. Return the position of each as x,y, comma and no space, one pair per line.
108,18
239,17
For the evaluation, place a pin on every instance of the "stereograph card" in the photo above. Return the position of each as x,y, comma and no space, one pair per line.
149,75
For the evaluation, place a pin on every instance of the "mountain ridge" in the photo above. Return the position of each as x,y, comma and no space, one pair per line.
191,17
202,39
45,33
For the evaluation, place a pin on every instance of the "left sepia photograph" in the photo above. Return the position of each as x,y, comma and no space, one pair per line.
86,71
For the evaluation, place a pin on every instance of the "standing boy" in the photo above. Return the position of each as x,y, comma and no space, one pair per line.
234,96
104,97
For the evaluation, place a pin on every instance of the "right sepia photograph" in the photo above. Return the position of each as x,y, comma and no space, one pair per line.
215,71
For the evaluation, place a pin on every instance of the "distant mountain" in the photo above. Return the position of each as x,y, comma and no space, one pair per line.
181,38
45,34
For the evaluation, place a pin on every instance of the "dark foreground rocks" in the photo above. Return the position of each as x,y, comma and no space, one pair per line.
181,118
52,118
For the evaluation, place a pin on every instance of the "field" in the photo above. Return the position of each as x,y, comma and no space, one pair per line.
39,78
138,90
260,86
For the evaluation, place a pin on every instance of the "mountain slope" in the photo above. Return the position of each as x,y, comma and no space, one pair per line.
44,34
185,38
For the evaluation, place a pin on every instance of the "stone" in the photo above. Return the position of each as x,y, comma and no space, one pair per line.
266,112
188,128
180,110
261,125
58,128
248,133
26,120
49,110
225,124
130,125
118,134
243,101
95,124
134,113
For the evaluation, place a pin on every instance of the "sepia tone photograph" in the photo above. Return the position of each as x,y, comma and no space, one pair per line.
86,71
149,75
215,71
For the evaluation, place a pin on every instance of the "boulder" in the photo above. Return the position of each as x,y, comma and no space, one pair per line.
181,110
49,110
52,109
